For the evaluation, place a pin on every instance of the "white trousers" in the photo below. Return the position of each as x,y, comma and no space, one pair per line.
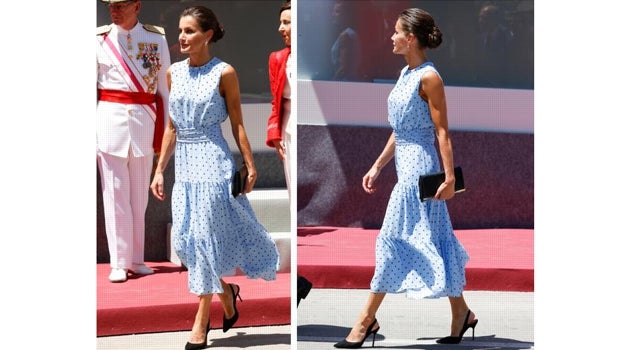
286,143
125,191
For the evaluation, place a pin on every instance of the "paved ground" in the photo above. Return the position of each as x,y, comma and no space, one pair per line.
505,320
277,337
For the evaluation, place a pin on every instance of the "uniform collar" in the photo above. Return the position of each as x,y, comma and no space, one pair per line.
120,30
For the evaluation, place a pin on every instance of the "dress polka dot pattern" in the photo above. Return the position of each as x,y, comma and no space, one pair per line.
213,232
417,252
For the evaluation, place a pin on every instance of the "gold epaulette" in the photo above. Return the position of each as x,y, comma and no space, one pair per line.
103,29
154,29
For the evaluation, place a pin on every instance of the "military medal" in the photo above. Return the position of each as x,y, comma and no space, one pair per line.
148,54
129,42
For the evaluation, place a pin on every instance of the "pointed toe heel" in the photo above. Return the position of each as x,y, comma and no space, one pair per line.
198,346
457,339
345,344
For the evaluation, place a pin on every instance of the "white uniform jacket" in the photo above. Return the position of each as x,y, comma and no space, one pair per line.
120,127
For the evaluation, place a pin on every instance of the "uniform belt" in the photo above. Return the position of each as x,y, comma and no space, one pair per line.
131,97
139,98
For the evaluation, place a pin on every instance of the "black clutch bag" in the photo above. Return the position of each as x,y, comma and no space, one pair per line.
238,183
428,184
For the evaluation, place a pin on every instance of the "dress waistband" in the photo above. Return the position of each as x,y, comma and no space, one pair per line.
421,136
198,135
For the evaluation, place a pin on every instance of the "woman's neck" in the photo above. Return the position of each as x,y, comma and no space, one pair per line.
415,59
199,59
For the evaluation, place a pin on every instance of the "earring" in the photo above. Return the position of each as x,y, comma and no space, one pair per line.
206,42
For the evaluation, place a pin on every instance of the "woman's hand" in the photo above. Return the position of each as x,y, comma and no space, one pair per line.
446,190
279,147
368,181
250,181
158,186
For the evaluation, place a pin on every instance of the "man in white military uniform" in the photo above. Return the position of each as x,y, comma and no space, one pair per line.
132,63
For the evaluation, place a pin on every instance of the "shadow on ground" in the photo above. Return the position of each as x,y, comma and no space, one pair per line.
327,333
244,340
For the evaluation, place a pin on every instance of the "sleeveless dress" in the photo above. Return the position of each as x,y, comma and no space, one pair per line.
213,232
416,250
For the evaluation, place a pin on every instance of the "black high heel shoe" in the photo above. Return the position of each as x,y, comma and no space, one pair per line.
229,322
344,344
455,340
196,346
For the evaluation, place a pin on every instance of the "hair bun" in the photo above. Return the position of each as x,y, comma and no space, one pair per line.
435,38
219,32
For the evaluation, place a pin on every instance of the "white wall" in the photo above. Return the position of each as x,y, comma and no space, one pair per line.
255,117
469,109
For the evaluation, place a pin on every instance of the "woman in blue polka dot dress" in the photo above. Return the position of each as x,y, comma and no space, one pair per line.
417,252
214,233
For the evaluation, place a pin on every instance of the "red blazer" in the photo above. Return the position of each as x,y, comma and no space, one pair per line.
277,79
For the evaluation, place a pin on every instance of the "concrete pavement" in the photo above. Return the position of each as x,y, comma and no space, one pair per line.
505,320
271,337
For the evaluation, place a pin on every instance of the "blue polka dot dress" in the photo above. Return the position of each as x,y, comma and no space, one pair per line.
417,252
213,232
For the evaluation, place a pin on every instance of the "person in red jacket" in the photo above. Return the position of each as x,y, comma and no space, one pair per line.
280,125
281,70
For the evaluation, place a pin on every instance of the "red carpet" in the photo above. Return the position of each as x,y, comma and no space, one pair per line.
330,257
162,303
344,257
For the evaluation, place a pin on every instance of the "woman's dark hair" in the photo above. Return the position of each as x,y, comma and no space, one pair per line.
206,19
285,6
421,24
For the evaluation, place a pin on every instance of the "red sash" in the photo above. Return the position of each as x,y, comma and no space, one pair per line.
136,98
131,97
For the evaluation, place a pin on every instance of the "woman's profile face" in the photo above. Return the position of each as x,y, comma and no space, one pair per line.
190,36
284,27
399,39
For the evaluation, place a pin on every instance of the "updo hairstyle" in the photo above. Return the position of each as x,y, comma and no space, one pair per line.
421,24
206,19
285,6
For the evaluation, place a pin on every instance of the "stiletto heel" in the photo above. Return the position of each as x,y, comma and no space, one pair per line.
229,322
456,339
344,344
473,327
196,346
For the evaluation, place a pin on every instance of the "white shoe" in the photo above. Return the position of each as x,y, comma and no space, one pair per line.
141,269
118,275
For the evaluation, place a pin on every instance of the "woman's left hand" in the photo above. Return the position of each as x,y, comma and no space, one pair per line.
250,182
445,191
